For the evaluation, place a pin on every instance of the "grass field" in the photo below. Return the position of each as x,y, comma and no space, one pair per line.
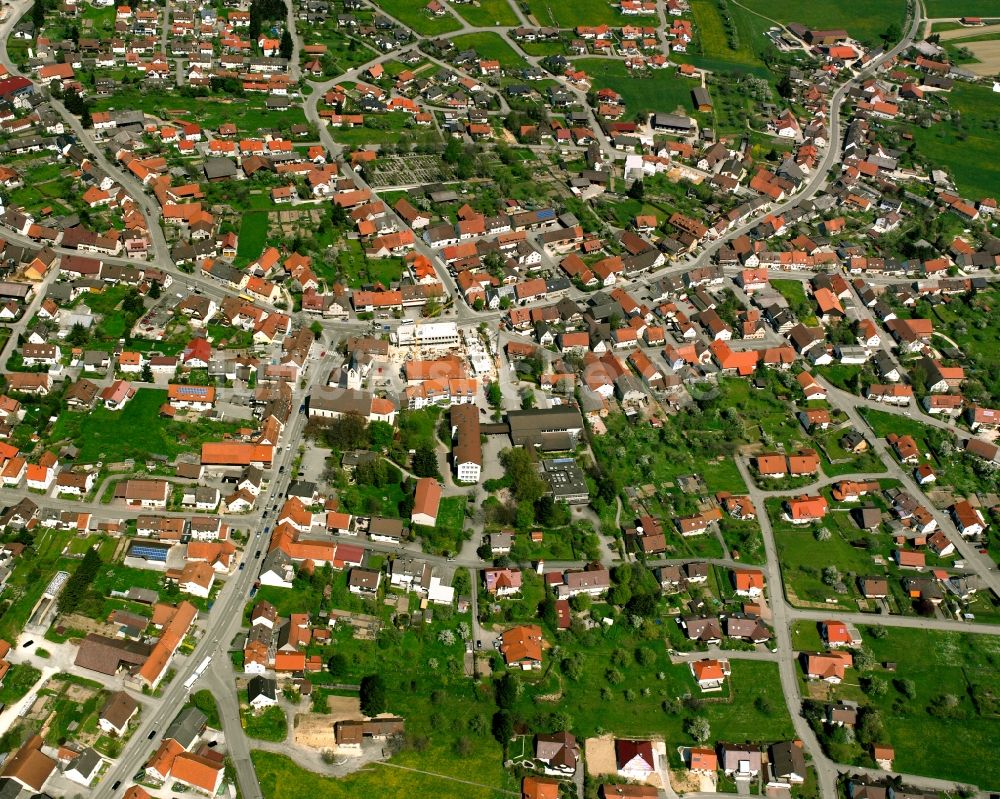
281,778
447,535
491,46
135,432
975,326
447,714
960,8
205,702
18,680
803,558
711,38
942,663
970,149
268,725
247,113
561,14
415,16
865,20
485,13
595,704
663,90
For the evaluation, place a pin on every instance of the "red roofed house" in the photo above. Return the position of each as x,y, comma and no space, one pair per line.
426,500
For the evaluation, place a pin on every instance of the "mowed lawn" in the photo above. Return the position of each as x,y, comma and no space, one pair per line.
972,151
490,47
942,663
562,14
865,20
662,91
137,431
415,15
488,12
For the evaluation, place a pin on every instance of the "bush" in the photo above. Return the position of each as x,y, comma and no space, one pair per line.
373,695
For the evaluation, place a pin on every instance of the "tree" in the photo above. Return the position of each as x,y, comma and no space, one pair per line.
431,308
906,687
642,605
146,373
78,585
154,290
637,190
380,435
453,152
892,34
38,14
424,462
346,432
502,726
525,482
317,330
785,86
373,699
505,691
133,305
287,46
337,664
494,396
545,510
547,610
698,728
77,335
524,516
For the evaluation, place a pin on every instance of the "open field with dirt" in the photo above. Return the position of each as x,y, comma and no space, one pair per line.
987,57
966,33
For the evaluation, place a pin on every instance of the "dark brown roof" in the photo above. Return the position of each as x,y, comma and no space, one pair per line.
105,655
119,709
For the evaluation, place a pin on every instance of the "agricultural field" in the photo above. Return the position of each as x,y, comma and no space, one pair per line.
970,148
865,20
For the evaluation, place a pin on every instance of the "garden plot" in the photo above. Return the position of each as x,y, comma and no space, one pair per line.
407,170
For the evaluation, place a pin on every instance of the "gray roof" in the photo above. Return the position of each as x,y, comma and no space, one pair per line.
262,686
219,168
186,727
86,763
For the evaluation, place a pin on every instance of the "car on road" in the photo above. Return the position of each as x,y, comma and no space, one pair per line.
242,566
479,644
256,554
116,785
151,735
26,644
